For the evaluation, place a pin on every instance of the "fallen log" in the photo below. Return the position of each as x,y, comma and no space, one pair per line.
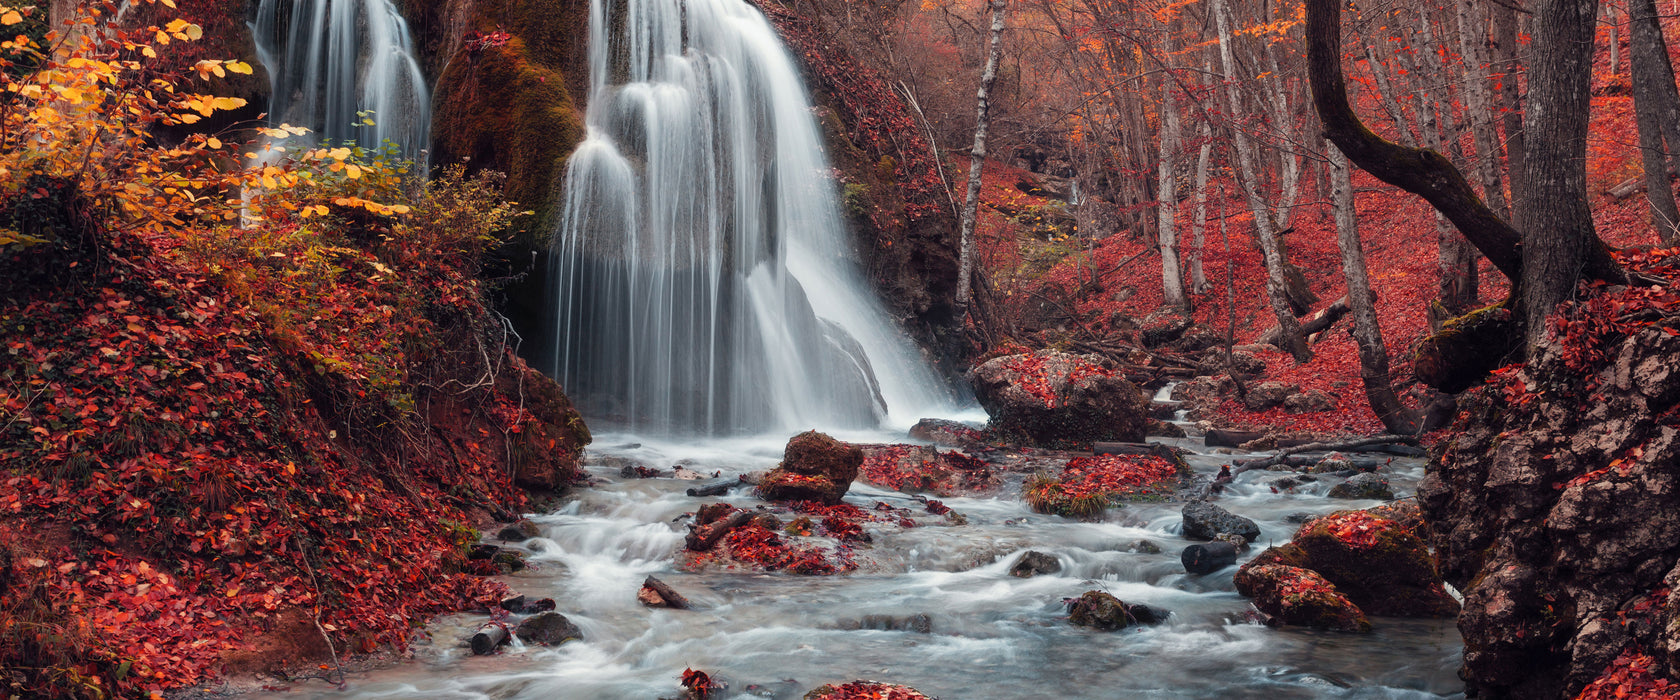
1208,558
716,488
1315,323
656,594
1223,437
487,638
1264,462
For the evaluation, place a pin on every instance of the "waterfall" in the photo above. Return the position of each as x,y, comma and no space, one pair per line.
329,60
702,275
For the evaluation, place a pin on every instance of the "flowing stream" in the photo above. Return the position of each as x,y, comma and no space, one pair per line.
992,636
703,278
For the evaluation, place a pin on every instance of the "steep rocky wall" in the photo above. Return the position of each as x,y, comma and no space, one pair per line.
1555,507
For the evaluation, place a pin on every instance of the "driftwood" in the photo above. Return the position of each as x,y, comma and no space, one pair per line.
716,488
1315,323
1222,437
487,638
1208,558
656,594
1262,463
704,537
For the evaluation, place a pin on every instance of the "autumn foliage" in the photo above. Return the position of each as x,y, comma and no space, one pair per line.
250,395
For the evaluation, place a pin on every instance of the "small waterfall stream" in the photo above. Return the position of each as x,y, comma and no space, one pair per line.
993,636
330,60
703,277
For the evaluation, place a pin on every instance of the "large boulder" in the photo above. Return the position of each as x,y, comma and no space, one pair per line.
1292,595
1053,399
548,629
1265,395
1206,521
815,467
1378,563
1367,485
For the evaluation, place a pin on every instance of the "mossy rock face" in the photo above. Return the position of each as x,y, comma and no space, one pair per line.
499,109
1467,349
1377,563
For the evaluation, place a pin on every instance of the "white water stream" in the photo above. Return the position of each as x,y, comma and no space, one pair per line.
994,637
704,279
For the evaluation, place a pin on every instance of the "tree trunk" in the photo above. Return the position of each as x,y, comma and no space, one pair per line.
1248,179
1478,102
1373,353
1656,104
1510,106
1198,278
977,161
1166,194
1385,90
1283,122
1561,235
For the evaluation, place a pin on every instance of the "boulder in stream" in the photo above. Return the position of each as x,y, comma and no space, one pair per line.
815,467
946,433
547,629
519,531
1291,595
1365,485
1056,400
1265,395
1379,564
1100,610
1204,521
1033,563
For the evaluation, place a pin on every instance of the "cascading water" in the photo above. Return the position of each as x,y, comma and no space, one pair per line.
700,267
330,60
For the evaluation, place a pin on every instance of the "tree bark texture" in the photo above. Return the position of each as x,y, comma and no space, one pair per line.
1373,353
1166,196
1656,104
977,160
1248,180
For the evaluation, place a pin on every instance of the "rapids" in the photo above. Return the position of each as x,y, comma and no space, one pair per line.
993,636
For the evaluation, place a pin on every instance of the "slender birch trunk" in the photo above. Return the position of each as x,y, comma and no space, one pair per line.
1198,278
1166,193
977,161
1247,179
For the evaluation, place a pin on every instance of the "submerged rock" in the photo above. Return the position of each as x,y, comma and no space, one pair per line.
1292,595
1205,521
1100,610
815,467
548,629
519,531
919,623
656,594
1033,563
1053,399
946,433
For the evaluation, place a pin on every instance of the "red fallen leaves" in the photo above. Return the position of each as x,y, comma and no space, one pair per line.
917,468
1036,378
1630,676
1087,485
1355,527
765,549
699,684
866,690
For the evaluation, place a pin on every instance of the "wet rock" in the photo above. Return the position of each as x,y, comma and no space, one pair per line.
815,467
638,471
860,690
1056,400
508,561
1099,610
946,433
1309,402
685,474
1033,563
714,488
1158,428
924,468
547,629
1377,563
1295,596
1367,485
1234,539
919,623
656,594
1331,465
1265,395
1164,326
520,605
519,531
1298,518
1146,547
1204,521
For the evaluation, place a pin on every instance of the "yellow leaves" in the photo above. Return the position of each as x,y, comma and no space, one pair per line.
282,131
220,69
11,17
372,206
206,104
179,29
